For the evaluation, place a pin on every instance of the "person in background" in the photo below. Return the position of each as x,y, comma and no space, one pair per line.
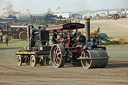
6,40
98,29
54,37
1,38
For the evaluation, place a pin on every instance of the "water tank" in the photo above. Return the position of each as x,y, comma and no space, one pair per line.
23,17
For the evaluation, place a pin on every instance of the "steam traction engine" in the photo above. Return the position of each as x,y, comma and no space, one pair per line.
76,49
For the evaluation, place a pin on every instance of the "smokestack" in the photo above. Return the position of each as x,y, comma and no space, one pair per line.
87,24
28,37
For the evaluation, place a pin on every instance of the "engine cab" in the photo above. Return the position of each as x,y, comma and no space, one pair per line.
37,38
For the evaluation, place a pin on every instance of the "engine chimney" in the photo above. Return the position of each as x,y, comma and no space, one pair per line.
28,37
87,24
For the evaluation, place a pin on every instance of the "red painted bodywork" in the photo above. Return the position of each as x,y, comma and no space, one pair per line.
66,45
76,51
14,24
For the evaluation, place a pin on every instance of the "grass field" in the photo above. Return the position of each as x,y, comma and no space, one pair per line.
14,45
118,52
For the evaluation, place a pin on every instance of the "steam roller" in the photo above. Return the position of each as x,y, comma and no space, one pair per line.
76,49
93,56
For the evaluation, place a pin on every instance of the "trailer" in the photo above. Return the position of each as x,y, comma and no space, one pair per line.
37,50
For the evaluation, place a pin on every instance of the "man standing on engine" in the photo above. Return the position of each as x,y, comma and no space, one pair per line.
54,37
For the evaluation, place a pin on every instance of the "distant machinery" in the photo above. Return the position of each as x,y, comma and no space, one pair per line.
112,15
48,11
12,17
8,10
9,6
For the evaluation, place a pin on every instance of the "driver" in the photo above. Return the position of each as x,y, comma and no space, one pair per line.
54,37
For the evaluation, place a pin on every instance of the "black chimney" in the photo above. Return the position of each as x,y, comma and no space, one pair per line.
87,24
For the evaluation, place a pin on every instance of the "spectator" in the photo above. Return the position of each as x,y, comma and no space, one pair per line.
6,40
98,29
1,38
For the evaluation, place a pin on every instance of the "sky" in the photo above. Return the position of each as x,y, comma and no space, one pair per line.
65,5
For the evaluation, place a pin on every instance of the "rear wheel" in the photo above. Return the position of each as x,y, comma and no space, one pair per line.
33,60
23,35
19,60
57,58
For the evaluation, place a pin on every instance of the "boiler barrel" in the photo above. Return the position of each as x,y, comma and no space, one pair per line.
23,18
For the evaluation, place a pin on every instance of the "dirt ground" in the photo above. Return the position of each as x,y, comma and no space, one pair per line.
116,72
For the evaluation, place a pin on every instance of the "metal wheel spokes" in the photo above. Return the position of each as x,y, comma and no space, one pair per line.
33,60
19,60
86,62
57,55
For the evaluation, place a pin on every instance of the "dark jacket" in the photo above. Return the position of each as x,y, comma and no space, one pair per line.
54,36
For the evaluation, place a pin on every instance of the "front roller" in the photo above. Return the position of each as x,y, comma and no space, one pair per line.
57,55
94,59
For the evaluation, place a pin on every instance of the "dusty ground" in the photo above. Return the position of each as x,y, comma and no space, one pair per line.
116,73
